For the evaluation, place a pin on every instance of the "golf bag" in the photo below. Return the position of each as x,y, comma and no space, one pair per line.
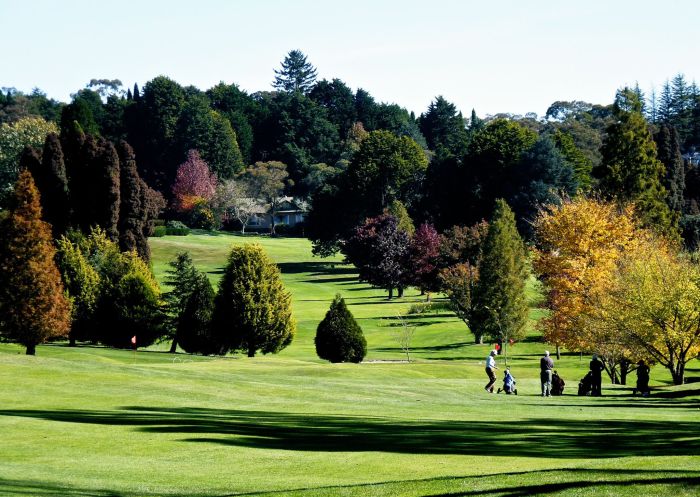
585,385
557,384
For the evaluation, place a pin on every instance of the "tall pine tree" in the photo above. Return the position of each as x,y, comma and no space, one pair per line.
499,304
669,153
33,306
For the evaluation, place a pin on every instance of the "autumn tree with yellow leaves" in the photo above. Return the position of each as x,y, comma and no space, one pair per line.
579,245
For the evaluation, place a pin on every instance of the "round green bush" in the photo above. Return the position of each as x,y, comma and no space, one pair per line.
338,337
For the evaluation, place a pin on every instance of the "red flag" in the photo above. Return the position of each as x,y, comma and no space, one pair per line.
133,339
511,341
497,347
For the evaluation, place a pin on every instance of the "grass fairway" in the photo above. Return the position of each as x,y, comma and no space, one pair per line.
91,421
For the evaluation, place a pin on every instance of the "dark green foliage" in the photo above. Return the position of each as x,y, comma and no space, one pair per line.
78,112
630,170
690,231
581,164
542,177
444,128
338,101
133,214
182,278
499,303
194,332
240,109
338,337
104,189
669,153
494,154
252,309
130,308
296,74
53,186
205,130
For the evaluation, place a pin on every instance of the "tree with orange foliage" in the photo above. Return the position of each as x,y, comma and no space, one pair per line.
33,305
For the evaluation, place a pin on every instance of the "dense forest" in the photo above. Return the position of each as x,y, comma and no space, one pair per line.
344,156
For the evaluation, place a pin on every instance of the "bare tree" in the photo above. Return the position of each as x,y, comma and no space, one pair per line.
403,334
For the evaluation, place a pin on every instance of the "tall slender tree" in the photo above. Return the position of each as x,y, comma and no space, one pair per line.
499,302
33,306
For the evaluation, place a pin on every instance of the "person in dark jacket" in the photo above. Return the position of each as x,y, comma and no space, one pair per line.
596,368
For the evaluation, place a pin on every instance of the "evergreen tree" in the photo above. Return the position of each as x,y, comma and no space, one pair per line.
33,306
581,164
105,189
181,277
133,215
194,332
499,302
669,153
444,129
252,310
630,169
296,74
53,186
541,178
338,337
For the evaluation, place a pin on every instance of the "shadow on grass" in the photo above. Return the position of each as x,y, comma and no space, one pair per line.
496,485
561,438
316,268
434,348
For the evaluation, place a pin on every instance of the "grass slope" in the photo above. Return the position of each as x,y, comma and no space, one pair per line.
94,421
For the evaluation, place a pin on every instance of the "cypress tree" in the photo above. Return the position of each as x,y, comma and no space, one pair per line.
338,337
33,306
105,190
52,182
132,211
499,303
252,310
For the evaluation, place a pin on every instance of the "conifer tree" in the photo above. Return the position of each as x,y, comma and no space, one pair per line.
499,303
338,337
296,73
132,211
630,170
181,277
252,309
194,332
669,154
33,307
53,186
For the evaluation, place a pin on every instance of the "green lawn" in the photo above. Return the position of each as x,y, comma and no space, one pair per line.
94,421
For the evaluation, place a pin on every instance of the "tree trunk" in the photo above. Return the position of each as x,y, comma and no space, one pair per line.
71,341
251,352
391,293
678,373
31,349
558,353
624,369
173,347
400,292
243,229
479,339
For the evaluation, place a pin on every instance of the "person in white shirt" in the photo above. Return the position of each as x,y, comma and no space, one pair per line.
490,371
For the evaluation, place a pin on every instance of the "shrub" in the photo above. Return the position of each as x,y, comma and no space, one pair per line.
338,337
159,231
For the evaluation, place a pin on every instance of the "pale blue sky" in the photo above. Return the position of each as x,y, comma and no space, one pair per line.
498,56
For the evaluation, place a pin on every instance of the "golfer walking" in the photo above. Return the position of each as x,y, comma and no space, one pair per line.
490,371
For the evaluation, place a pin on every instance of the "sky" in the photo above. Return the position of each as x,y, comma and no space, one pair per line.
492,56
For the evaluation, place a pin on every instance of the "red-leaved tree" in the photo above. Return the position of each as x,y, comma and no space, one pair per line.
423,255
194,181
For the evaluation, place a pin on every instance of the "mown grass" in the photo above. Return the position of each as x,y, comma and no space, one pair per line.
96,421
